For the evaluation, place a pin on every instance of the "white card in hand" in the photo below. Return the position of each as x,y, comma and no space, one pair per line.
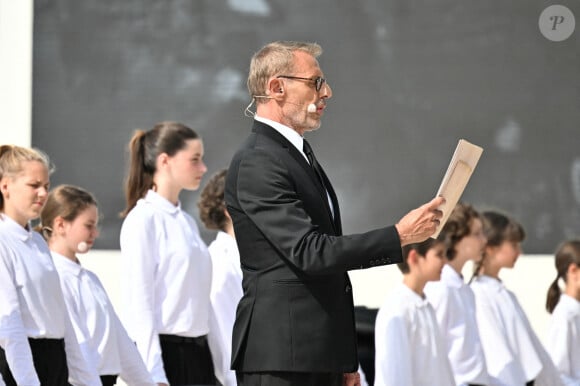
459,171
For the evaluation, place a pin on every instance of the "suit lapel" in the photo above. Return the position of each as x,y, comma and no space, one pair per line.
263,129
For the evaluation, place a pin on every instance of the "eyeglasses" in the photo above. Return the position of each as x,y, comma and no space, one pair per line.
318,81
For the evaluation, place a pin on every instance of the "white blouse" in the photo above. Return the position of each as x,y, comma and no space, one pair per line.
513,352
409,350
100,334
226,292
166,277
563,340
32,306
454,306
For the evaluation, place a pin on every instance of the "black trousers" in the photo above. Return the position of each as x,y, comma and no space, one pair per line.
289,379
49,360
187,361
108,380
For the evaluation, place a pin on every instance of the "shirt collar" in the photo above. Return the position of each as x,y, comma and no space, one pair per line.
225,238
417,300
291,135
155,198
570,302
490,282
66,264
13,227
451,277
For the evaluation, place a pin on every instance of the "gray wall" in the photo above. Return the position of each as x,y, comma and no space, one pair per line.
409,78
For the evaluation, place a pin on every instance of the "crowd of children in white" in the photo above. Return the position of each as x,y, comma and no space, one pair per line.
58,327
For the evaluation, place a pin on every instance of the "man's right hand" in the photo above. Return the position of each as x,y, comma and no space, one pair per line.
417,225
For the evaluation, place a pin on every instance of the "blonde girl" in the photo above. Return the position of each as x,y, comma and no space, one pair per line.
38,344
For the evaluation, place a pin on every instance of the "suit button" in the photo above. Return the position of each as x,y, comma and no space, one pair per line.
347,289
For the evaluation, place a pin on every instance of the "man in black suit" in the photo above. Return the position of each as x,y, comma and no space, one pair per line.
295,322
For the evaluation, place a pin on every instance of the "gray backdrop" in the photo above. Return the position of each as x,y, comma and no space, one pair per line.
410,78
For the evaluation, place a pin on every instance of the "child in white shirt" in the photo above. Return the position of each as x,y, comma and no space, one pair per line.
563,340
38,345
226,284
514,354
165,263
69,223
409,349
453,299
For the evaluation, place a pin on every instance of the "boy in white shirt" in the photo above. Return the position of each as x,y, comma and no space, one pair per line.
409,349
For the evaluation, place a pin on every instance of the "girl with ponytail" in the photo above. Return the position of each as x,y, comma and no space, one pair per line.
563,342
166,286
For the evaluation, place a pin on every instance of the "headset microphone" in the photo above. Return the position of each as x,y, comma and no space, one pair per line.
82,247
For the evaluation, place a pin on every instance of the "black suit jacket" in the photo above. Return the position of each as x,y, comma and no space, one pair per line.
296,313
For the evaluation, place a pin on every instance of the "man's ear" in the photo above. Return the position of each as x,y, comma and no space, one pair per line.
275,88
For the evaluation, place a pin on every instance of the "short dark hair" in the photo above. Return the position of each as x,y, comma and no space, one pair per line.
421,248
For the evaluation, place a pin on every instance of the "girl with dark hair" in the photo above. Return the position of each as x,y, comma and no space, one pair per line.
38,344
563,341
69,223
168,268
513,352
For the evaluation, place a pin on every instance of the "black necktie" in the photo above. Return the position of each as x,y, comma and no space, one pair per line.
313,163
319,173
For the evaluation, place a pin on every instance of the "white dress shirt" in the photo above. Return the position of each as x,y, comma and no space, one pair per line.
409,350
513,353
226,292
454,306
32,306
563,340
166,281
100,334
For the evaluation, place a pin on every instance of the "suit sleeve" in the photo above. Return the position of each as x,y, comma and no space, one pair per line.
274,201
